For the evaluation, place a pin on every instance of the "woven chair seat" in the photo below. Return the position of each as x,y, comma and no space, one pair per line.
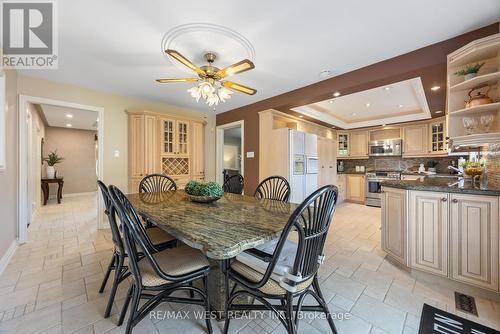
272,287
173,261
158,236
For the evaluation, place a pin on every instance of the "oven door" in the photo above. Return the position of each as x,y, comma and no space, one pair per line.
373,188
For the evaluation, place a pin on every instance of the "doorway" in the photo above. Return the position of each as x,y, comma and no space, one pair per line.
230,150
47,126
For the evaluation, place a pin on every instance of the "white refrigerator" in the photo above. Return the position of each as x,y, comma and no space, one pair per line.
302,164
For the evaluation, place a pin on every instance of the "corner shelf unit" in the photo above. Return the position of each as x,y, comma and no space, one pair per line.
485,50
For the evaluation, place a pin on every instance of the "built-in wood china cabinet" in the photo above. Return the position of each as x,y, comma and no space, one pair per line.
160,143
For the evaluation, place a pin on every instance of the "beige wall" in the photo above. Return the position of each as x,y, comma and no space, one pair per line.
115,121
8,177
78,168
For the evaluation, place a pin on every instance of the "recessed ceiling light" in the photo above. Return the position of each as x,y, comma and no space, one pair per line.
301,116
368,105
336,94
383,124
333,127
331,101
69,116
354,114
68,125
435,88
387,87
438,112
400,106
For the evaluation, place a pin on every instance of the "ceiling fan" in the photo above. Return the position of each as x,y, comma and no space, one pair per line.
212,86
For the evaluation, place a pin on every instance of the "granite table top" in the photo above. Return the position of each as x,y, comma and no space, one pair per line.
443,184
221,229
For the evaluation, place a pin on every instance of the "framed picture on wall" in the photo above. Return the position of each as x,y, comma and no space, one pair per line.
3,111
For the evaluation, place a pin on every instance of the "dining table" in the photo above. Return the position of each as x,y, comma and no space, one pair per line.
221,229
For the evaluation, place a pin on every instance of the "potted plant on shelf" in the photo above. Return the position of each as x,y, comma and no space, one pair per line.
52,159
203,192
470,71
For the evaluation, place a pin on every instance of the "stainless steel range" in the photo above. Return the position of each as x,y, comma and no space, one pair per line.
373,197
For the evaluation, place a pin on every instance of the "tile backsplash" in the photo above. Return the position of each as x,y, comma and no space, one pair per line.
402,164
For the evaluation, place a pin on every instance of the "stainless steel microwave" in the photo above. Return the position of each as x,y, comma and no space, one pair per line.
389,147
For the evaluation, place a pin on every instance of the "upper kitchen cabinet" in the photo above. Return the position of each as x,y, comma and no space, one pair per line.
473,101
359,144
343,144
415,140
437,137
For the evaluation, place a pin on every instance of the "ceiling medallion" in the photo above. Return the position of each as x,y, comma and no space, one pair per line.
193,39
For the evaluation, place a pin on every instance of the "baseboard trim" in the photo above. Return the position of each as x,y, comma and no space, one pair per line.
74,194
4,261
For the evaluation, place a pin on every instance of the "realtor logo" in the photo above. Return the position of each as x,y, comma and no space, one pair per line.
29,34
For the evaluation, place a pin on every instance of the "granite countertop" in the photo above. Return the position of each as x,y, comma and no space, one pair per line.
221,229
443,184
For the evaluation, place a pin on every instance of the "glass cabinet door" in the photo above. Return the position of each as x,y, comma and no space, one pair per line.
182,137
343,144
437,137
168,137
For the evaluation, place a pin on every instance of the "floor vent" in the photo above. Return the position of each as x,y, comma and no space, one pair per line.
465,303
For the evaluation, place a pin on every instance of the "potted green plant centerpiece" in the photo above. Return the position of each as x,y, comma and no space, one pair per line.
203,192
470,71
52,159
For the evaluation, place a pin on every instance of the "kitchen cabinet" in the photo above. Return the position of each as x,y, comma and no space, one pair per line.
355,188
415,140
428,231
437,138
341,185
474,240
164,144
394,227
343,144
327,170
359,144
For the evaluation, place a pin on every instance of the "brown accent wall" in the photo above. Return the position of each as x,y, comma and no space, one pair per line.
429,63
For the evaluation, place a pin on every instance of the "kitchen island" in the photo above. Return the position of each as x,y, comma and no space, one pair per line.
443,226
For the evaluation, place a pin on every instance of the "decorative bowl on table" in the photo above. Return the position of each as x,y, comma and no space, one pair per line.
203,192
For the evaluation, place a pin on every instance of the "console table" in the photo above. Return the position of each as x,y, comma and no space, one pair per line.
45,188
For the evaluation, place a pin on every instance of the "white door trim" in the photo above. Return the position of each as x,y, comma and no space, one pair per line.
219,146
23,156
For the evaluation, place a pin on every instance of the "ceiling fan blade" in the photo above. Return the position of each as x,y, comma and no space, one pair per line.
184,61
239,67
238,87
177,80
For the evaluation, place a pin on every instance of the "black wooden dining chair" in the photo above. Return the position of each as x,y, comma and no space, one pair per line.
310,222
156,183
157,275
234,184
156,237
275,188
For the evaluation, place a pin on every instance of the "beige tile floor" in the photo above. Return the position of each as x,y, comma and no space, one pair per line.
51,283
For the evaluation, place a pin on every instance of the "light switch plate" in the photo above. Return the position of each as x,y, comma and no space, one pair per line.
250,154
116,154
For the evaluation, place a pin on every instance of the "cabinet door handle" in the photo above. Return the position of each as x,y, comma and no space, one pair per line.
444,199
455,200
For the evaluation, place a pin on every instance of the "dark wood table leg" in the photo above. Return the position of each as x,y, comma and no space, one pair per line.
45,190
59,192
